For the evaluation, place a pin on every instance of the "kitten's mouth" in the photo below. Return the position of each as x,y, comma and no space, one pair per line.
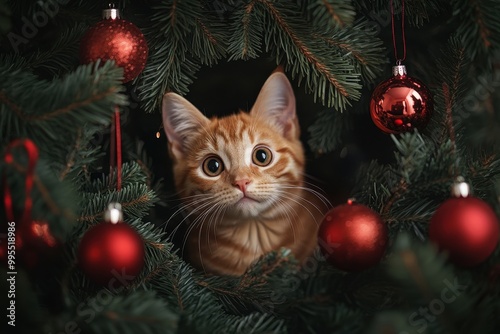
247,199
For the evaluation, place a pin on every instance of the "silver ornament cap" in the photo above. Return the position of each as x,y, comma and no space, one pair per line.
111,13
399,70
460,188
114,213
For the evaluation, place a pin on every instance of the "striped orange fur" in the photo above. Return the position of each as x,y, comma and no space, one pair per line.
241,180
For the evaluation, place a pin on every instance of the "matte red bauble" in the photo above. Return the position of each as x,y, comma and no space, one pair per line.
353,237
116,39
401,103
466,228
109,249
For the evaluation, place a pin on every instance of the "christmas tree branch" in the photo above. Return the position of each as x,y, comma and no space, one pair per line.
348,48
8,102
476,23
70,107
320,66
206,32
333,14
247,46
479,18
76,147
396,193
136,202
180,39
326,14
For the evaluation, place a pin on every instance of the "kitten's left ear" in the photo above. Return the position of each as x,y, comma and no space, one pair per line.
181,121
276,105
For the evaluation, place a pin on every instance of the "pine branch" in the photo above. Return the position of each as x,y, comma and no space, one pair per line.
257,289
358,44
138,312
332,80
179,286
43,111
328,131
132,174
407,193
136,200
329,13
182,36
450,81
62,56
477,23
425,277
140,156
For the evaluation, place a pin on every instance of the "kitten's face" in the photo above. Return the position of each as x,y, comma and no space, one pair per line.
244,165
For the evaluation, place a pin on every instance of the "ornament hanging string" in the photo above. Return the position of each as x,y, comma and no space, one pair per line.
32,151
398,59
116,148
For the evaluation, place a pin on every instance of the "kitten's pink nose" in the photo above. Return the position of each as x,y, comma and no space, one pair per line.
242,184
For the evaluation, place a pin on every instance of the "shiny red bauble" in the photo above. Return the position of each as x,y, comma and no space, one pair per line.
107,250
401,103
353,237
466,228
118,40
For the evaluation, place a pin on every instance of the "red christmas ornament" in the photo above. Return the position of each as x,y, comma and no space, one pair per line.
35,243
108,249
28,242
401,103
465,227
115,39
352,237
111,248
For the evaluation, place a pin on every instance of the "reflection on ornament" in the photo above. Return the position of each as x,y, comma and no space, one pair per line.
401,103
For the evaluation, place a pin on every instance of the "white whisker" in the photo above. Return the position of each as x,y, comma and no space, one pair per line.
182,209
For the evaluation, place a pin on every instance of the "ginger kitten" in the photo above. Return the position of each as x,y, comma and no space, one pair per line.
241,179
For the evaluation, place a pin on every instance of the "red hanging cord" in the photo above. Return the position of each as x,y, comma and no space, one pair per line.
32,151
118,130
399,60
116,148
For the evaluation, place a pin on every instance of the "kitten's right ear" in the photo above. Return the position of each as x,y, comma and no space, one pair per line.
181,120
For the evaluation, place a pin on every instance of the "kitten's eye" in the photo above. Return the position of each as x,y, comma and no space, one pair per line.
213,166
262,156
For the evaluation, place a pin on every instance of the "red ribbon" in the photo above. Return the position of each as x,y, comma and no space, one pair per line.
32,151
399,60
116,146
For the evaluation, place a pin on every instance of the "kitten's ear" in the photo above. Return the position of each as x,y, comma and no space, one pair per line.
181,120
276,105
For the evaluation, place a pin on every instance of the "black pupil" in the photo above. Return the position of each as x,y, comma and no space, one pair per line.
261,155
213,165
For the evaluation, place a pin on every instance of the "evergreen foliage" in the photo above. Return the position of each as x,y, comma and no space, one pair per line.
335,52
